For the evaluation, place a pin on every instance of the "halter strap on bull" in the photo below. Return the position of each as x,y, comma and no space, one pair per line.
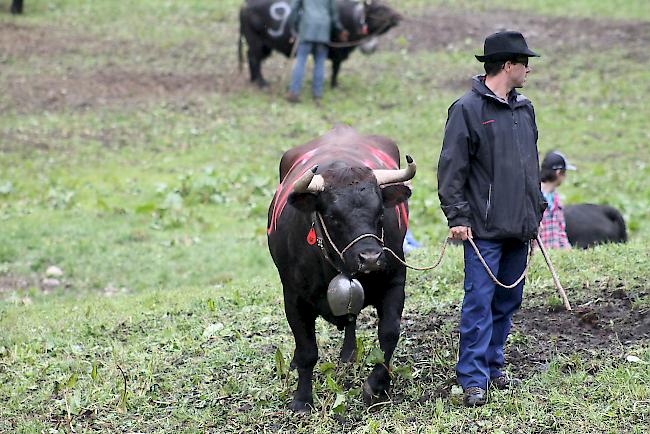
311,182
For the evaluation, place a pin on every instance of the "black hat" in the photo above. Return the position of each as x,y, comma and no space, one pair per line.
556,161
505,46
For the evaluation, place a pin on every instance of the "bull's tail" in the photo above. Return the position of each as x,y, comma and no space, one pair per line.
240,45
615,216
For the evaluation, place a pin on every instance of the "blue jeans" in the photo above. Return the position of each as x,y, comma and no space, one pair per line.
486,315
319,52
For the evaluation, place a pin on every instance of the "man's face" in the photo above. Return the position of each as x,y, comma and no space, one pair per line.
517,70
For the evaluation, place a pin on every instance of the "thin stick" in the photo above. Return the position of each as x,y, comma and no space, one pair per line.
556,280
292,56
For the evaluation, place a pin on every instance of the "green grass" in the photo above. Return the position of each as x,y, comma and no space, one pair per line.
154,206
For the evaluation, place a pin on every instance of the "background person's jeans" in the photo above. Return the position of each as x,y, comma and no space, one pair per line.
486,315
319,52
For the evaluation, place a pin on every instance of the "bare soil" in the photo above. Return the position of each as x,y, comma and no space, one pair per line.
10,283
111,86
443,29
115,73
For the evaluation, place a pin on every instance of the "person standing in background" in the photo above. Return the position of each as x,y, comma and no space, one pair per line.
313,21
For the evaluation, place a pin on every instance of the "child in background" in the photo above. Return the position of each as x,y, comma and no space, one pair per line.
553,227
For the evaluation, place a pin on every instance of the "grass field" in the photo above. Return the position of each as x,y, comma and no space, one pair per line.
136,158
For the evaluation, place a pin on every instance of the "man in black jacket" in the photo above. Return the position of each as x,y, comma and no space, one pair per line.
489,189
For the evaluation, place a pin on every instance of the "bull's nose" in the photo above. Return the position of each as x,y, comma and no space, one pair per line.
369,257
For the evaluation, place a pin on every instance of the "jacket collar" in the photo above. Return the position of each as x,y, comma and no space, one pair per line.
515,99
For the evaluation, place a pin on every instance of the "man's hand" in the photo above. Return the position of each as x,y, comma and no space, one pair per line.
344,35
460,233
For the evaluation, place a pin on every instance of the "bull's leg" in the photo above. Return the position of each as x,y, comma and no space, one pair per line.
336,65
303,325
256,54
17,7
389,310
349,350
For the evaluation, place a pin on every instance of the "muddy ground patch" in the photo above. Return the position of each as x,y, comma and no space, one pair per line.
112,86
604,326
65,70
440,29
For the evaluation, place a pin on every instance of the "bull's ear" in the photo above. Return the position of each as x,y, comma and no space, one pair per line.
395,194
305,202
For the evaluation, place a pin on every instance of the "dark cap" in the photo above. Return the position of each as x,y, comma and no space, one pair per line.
556,161
505,46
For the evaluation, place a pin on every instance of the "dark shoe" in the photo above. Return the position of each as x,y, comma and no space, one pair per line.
474,397
293,98
504,382
317,102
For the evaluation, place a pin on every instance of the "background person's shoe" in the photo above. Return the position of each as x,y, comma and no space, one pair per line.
474,397
293,98
504,382
410,243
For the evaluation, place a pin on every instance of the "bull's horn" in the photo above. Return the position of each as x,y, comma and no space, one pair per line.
309,182
395,176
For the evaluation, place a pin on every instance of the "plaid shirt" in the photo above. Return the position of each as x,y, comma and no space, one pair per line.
552,229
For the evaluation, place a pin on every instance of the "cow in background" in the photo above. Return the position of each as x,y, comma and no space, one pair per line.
264,24
588,225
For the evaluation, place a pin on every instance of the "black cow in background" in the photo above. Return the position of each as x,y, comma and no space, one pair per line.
264,24
17,7
588,225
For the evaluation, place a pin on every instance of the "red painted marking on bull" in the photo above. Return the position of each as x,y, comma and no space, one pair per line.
380,160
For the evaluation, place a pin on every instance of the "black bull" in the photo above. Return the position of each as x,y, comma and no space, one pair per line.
353,200
264,24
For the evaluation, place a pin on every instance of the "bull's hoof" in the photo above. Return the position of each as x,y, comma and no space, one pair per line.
261,83
299,406
371,397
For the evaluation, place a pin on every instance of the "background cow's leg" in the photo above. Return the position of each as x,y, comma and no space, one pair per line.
336,65
303,325
256,54
17,7
389,310
348,352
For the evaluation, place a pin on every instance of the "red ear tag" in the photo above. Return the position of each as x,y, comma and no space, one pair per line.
311,237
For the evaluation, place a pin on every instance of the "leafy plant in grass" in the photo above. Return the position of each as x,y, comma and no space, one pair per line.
554,303
60,198
6,187
171,214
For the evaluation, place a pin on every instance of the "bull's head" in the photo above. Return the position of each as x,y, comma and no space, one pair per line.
379,18
351,202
